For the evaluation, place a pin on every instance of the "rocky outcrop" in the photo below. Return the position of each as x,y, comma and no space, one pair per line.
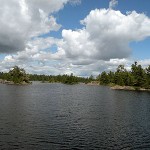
5,81
93,83
12,83
128,88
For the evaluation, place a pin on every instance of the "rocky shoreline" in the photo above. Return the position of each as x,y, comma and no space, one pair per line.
12,83
128,88
93,83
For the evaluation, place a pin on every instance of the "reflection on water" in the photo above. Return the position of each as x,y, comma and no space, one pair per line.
57,116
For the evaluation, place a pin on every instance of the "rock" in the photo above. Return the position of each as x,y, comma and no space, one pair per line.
12,83
129,88
93,83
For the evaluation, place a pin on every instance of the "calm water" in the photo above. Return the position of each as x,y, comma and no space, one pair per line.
57,116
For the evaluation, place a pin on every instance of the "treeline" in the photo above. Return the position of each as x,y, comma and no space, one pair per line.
66,79
18,75
137,77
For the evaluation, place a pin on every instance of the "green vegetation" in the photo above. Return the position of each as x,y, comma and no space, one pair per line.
15,76
19,76
137,77
66,79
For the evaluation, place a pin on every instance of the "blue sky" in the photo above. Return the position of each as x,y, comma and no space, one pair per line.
71,15
83,37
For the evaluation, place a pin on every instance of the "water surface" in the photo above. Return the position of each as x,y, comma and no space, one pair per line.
57,116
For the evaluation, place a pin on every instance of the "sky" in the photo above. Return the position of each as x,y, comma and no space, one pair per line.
83,37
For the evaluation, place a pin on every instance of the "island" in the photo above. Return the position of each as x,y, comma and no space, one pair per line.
15,76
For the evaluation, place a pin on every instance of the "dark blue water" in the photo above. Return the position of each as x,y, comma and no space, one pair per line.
57,116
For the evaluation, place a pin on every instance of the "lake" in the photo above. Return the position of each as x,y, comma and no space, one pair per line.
57,116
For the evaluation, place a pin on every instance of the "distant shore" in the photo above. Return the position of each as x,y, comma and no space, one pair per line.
93,83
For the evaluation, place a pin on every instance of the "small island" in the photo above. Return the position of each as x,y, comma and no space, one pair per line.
15,76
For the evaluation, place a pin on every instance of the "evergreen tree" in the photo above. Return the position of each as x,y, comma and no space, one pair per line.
18,75
139,75
104,78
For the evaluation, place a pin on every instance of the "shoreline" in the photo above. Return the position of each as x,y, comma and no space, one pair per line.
128,88
12,83
94,83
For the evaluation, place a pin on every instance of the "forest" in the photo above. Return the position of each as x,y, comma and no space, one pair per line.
66,79
136,77
18,75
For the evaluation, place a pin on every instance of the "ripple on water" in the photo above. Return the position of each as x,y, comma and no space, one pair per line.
56,116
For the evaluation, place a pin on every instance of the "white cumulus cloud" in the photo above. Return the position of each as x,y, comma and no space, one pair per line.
22,19
106,35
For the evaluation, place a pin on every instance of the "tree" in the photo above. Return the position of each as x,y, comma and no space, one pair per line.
147,70
121,68
111,76
104,79
18,75
139,75
119,79
128,79
91,78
